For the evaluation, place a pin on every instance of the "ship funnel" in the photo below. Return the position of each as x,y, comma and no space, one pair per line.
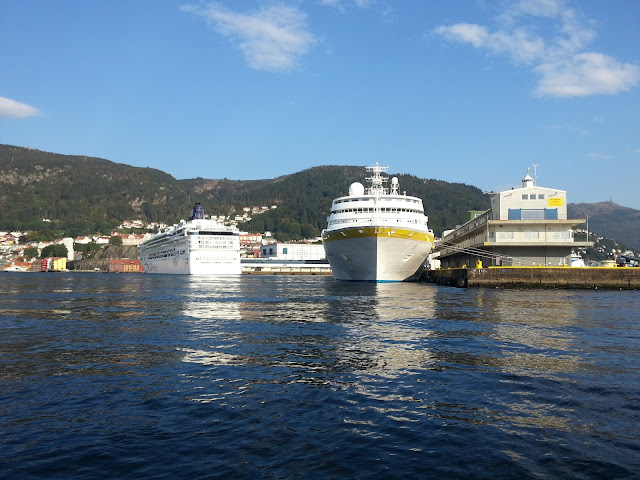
197,212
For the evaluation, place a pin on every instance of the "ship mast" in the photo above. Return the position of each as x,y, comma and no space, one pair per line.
377,181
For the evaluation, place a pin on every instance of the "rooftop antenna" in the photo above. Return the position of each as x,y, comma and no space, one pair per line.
535,173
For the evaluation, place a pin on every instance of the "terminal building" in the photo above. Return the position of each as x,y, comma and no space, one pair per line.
293,251
291,258
525,226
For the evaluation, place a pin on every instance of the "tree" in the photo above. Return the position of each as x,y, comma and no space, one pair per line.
56,250
116,241
30,252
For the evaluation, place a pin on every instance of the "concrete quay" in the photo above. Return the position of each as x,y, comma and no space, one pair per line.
618,278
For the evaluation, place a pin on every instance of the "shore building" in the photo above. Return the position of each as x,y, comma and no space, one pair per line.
293,251
525,226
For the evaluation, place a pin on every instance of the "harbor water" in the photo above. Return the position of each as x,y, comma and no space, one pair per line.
296,377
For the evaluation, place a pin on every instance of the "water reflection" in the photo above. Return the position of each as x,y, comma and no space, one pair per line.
310,330
387,344
208,298
392,336
516,339
78,324
272,371
525,329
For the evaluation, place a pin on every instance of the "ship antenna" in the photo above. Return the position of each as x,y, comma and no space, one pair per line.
377,180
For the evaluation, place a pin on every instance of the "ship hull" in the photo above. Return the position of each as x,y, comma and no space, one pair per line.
183,257
376,254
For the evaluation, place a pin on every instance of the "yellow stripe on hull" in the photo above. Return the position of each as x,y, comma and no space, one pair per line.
358,232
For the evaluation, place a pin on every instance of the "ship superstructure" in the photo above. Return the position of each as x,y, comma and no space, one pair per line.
376,233
198,246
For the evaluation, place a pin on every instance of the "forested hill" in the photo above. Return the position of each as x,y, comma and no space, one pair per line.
608,219
84,195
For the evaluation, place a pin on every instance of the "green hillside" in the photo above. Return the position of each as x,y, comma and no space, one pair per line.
608,219
85,195
80,194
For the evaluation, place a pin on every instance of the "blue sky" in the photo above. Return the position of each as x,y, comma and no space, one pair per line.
471,91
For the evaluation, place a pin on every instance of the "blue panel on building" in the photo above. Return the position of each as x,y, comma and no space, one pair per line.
515,214
551,214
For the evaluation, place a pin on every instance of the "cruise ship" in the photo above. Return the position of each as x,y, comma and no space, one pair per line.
377,234
197,247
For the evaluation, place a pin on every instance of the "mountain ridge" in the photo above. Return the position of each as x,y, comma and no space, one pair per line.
82,194
610,219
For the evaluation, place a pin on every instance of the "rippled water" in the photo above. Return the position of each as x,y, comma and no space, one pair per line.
142,376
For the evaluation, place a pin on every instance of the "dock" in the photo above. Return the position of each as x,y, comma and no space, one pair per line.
618,278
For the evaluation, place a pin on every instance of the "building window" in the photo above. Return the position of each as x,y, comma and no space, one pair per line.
505,235
531,235
533,214
541,196
525,196
285,250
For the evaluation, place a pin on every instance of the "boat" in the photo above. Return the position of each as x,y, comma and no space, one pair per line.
199,246
377,234
577,260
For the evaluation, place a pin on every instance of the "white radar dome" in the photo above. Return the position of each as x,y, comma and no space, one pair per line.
356,189
394,181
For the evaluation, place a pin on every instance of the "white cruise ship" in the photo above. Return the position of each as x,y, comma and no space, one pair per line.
375,234
197,247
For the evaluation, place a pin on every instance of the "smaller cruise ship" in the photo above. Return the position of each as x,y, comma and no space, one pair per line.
377,234
197,247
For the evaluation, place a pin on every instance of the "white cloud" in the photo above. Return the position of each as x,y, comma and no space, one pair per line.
331,3
340,4
271,38
586,74
540,8
518,44
12,109
562,63
476,35
599,156
637,150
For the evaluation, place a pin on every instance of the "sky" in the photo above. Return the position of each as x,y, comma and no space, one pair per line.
468,91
